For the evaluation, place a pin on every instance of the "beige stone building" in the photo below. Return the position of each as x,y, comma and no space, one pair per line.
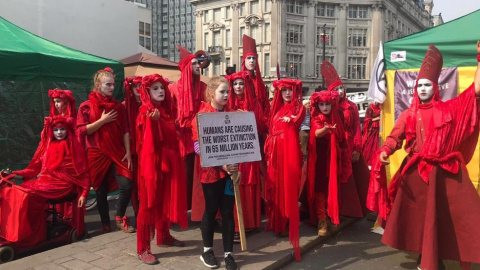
290,33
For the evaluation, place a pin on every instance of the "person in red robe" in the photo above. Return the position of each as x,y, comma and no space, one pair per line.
371,127
161,170
250,64
57,170
217,184
241,99
188,93
132,104
284,159
104,121
431,206
326,147
354,191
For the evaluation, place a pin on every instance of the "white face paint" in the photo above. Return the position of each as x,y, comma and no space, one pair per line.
60,133
220,97
325,107
157,92
425,90
340,90
195,67
107,85
287,94
239,87
250,62
135,88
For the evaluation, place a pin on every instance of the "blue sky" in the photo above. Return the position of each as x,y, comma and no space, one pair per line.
452,9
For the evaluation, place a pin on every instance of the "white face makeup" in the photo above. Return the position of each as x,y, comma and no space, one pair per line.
195,67
220,97
59,105
60,133
340,90
135,88
424,90
287,94
250,62
157,92
239,87
325,107
107,85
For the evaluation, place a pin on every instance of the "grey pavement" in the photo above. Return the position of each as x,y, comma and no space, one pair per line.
117,250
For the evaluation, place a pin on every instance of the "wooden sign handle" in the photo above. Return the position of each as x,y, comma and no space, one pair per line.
238,203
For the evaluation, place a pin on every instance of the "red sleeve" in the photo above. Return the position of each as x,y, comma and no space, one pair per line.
194,129
395,140
357,132
299,117
35,165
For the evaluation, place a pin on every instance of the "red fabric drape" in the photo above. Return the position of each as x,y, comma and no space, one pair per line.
261,92
370,138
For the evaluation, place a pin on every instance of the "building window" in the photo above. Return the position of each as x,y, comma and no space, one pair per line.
356,67
141,41
148,43
329,33
228,38
255,33
241,9
266,64
216,67
227,61
267,32
147,29
357,37
206,41
242,32
217,39
205,16
328,58
268,5
357,12
295,7
228,11
294,33
216,14
294,64
325,10
254,7
141,28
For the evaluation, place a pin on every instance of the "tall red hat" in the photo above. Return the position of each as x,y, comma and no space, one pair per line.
330,75
249,47
185,57
432,65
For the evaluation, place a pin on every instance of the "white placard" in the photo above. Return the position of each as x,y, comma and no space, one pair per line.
227,138
399,56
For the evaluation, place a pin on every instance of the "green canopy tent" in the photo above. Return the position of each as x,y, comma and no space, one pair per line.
29,67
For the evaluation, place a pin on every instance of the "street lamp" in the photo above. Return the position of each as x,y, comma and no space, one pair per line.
323,39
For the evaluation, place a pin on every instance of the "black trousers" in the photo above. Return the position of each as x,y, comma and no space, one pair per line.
215,198
124,186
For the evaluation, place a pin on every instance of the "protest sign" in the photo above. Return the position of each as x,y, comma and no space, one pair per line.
227,138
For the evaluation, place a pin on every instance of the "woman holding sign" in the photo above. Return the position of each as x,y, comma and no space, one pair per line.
216,184
161,176
241,99
284,158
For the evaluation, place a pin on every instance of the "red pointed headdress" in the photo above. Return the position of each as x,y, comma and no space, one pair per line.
185,57
330,76
249,47
431,65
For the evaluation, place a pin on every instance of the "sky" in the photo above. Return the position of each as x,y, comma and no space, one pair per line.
452,9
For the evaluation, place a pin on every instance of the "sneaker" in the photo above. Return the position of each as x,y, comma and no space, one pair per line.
236,237
322,227
208,258
122,224
171,241
147,258
230,263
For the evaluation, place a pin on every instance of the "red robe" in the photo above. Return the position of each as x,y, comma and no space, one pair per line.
250,187
25,223
431,204
284,159
105,146
354,191
370,133
131,107
161,178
